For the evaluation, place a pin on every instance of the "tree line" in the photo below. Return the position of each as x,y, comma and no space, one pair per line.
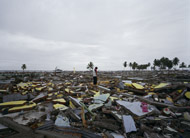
162,63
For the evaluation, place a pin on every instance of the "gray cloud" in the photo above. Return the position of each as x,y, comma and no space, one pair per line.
45,34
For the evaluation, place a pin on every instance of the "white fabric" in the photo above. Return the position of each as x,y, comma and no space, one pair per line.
94,73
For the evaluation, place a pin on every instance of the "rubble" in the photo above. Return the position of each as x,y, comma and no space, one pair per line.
67,104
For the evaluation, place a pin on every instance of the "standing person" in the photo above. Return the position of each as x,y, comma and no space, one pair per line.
95,75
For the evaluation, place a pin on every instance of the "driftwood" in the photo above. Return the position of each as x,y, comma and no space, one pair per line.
70,130
180,96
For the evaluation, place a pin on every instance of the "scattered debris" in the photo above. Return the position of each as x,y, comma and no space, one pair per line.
67,104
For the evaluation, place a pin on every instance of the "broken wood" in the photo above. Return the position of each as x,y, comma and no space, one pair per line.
83,117
106,125
180,96
136,91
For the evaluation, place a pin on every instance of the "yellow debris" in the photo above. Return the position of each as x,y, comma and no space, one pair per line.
131,93
67,90
31,105
118,90
29,83
13,103
71,91
179,91
169,99
55,93
60,106
49,84
186,116
50,94
67,83
60,100
104,82
71,105
23,93
187,94
97,94
151,93
137,86
161,85
153,86
40,88
59,95
79,99
128,84
113,98
22,85
93,91
34,85
50,89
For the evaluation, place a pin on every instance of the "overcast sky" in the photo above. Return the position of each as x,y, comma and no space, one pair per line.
44,34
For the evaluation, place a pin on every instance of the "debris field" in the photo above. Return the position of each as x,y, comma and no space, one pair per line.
124,104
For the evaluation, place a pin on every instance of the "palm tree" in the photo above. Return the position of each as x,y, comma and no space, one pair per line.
169,64
175,61
23,67
157,63
163,62
182,65
125,64
134,65
148,65
90,66
130,65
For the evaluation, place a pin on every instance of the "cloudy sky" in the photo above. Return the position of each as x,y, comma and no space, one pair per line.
44,34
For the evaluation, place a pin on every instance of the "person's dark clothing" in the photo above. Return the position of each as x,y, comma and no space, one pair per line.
95,80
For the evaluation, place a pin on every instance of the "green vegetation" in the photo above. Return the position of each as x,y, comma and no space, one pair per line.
125,64
23,67
90,66
182,65
162,63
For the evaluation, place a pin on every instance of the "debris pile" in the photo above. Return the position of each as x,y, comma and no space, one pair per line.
68,105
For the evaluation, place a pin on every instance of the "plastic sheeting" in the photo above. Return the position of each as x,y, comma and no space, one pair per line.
62,121
134,107
129,124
